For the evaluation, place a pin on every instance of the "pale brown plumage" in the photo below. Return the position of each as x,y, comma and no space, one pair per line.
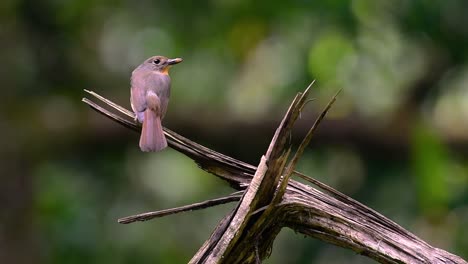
150,91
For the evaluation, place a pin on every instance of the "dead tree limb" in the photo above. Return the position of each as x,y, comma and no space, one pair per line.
271,201
191,207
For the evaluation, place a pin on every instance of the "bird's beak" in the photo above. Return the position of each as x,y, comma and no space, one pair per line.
174,61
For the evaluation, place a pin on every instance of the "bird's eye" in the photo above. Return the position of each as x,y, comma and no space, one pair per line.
157,61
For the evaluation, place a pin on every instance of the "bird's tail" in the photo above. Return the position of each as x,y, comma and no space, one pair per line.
152,137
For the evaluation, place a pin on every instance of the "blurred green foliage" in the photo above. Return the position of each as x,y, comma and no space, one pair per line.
396,139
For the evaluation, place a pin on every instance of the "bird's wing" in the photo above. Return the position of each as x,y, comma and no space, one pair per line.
161,85
138,91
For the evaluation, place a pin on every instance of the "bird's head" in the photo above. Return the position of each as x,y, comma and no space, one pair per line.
161,64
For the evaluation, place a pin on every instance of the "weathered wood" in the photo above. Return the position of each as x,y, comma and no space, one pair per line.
321,211
191,207
232,243
258,228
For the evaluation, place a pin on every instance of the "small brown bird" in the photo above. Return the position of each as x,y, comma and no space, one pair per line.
149,96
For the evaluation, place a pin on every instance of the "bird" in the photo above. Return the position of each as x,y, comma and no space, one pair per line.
149,96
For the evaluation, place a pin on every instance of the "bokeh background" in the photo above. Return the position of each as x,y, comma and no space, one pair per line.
396,140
